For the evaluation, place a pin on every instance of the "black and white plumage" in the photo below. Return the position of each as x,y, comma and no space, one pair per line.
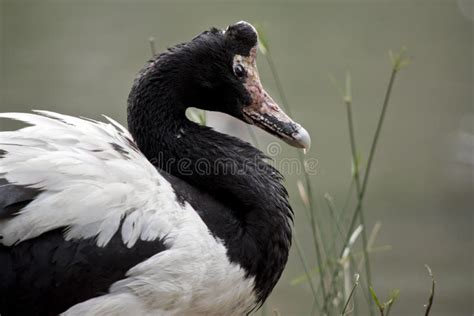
177,219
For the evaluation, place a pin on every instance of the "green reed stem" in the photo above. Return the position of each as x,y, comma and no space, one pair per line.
350,123
356,283
371,154
336,220
355,216
432,292
299,250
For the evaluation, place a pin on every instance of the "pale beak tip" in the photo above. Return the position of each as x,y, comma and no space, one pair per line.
302,138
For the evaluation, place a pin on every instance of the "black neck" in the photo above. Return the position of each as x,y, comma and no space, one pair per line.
230,170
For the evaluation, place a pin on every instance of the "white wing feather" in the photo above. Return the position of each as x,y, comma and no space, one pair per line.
92,187
92,177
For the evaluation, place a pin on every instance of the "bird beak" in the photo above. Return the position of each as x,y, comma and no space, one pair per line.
264,112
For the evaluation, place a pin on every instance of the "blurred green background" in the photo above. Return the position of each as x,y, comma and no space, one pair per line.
80,57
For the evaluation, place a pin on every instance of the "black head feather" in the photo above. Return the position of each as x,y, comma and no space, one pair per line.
241,37
201,72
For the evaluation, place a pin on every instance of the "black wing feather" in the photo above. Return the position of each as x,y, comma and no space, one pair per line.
14,197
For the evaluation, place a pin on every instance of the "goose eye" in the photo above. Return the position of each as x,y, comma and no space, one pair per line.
239,71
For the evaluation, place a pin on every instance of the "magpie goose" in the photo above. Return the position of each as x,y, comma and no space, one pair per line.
168,218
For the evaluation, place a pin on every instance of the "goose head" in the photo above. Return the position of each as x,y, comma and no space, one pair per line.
217,71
